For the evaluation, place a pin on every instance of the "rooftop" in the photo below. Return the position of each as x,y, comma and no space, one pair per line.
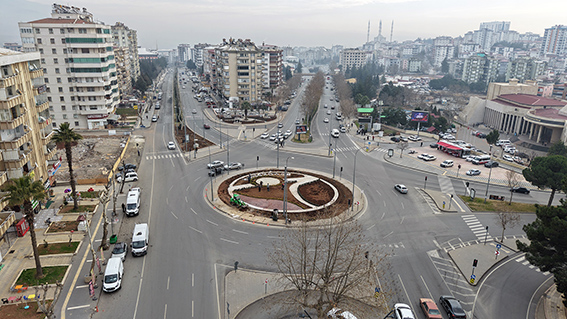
61,21
528,100
549,113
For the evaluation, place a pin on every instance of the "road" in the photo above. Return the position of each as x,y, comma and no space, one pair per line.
193,246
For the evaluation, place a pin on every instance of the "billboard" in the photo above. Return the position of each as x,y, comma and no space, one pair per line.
419,116
300,129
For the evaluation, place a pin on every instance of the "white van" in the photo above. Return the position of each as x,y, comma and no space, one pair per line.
140,240
481,160
113,275
503,142
335,133
133,202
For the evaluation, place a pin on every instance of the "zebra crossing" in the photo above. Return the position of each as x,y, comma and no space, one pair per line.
445,184
452,277
476,227
163,156
525,262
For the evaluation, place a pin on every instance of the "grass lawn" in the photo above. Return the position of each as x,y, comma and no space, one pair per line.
126,111
17,311
80,209
51,275
90,194
497,205
303,138
58,248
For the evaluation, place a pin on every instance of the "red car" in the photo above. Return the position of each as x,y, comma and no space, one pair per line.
429,308
206,126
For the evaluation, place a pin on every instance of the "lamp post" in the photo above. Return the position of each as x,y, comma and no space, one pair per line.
211,177
489,175
353,179
285,190
278,151
334,160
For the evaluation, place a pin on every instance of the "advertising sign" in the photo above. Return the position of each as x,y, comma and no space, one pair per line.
300,129
419,116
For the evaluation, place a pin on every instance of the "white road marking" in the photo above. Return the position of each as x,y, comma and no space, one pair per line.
402,205
369,228
165,312
186,199
81,286
384,203
193,280
78,307
403,217
208,221
389,234
403,286
274,237
192,308
240,231
174,215
194,212
229,241
430,295
200,232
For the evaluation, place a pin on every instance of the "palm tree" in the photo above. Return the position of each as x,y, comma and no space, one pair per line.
246,106
22,191
67,136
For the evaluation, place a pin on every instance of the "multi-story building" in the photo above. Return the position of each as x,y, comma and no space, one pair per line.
354,58
442,52
123,74
525,69
239,71
496,26
184,53
554,41
197,53
13,46
77,57
210,67
127,38
485,38
480,68
25,130
273,67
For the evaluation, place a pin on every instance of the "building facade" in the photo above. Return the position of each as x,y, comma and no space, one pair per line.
480,68
554,41
525,69
77,57
273,67
127,38
25,125
184,53
354,58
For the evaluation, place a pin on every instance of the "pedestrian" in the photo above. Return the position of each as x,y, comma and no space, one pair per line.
268,186
123,208
421,144
373,137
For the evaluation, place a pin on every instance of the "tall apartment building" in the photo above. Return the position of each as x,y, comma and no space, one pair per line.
210,67
354,58
184,53
127,38
25,130
480,68
123,75
273,67
78,62
496,26
13,46
239,70
554,41
197,53
525,69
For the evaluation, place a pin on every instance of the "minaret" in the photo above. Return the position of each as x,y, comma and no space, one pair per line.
392,31
368,33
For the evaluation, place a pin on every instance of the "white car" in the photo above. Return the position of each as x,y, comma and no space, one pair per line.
423,156
214,164
401,188
194,111
235,165
154,118
429,158
337,313
273,137
508,158
171,145
414,138
264,136
403,311
473,172
130,177
326,120
328,112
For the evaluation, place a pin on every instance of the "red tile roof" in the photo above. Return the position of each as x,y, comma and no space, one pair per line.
549,113
530,100
62,21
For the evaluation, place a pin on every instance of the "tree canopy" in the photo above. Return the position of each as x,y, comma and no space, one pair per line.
557,148
547,249
493,137
549,171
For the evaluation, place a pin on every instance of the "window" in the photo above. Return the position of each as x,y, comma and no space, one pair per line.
75,116
74,108
46,80
62,99
52,41
40,51
49,98
57,70
53,124
63,108
71,89
51,109
72,98
48,90
84,50
25,30
82,30
37,31
42,61
50,30
70,30
60,90
55,61
64,116
65,52
38,40
66,60
63,41
76,123
58,80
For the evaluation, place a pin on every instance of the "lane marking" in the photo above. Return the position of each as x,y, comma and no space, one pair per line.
208,221
78,307
402,205
192,308
369,228
194,212
389,234
82,286
229,241
165,312
384,203
200,232
240,231
174,215
403,286
193,280
403,217
168,282
430,295
186,199
383,214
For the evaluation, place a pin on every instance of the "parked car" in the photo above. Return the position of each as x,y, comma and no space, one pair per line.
414,138
522,190
264,136
429,158
433,145
423,155
154,118
430,309
120,250
297,122
395,139
214,164
235,165
508,158
273,137
127,166
130,177
401,188
473,172
447,163
403,311
215,171
453,307
491,164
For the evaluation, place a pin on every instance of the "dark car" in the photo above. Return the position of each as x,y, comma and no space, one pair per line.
491,164
120,250
206,126
395,139
127,166
453,307
433,145
215,171
522,190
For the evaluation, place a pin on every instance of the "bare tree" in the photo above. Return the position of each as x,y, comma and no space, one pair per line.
512,178
104,197
331,265
507,219
402,146
43,304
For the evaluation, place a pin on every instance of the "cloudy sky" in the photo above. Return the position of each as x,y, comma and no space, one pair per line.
166,23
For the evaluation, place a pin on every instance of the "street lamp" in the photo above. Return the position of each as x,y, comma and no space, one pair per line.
489,175
353,179
334,160
285,189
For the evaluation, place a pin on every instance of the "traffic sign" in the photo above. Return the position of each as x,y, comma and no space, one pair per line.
498,246
497,253
472,281
473,276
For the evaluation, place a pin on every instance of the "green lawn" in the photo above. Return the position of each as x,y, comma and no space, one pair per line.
479,205
51,275
81,209
127,111
57,248
90,194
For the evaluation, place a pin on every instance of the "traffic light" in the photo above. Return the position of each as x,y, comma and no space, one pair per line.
459,166
426,178
467,184
475,263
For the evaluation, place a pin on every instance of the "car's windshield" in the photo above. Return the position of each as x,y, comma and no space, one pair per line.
138,244
131,206
108,279
118,249
434,312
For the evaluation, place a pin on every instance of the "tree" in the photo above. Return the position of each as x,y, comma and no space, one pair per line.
507,219
361,99
512,178
246,107
66,135
402,146
21,192
547,172
191,65
558,148
42,304
331,265
493,137
445,66
547,249
441,124
299,67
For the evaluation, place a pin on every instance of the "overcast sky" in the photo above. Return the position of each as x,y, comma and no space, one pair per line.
166,23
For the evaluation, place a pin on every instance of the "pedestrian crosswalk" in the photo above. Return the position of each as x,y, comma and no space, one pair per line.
163,156
525,262
476,227
445,184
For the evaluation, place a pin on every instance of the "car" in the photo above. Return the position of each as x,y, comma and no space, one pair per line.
170,145
325,106
215,171
430,309
403,311
337,313
297,122
453,307
470,158
280,125
337,99
482,135
491,164
401,188
328,112
326,120
475,133
429,158
194,111
215,164
433,145
120,250
414,138
273,137
395,139
473,172
423,155
234,165
264,136
130,177
127,166
331,99
154,118
522,190
447,163
342,129
508,158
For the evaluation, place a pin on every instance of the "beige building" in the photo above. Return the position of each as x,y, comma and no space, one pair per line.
273,67
127,39
25,125
239,66
79,66
354,58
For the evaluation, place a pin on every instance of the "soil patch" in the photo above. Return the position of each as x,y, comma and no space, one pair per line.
317,193
19,312
80,209
63,226
193,138
57,248
275,193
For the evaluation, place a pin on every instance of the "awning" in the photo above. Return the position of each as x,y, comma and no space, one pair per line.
450,146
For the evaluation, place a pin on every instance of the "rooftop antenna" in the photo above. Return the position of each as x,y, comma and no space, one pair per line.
392,31
368,33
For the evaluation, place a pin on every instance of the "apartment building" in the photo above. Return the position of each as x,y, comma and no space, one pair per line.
239,71
554,41
25,130
184,53
77,57
496,26
354,58
197,53
480,68
273,67
127,38
525,69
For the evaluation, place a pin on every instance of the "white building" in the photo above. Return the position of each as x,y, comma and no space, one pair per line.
554,41
354,58
77,57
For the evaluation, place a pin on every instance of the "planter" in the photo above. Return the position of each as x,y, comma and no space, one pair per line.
113,239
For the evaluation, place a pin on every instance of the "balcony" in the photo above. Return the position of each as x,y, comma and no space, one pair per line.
10,125
7,82
50,152
93,112
21,160
3,177
36,73
16,142
42,107
11,102
46,136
